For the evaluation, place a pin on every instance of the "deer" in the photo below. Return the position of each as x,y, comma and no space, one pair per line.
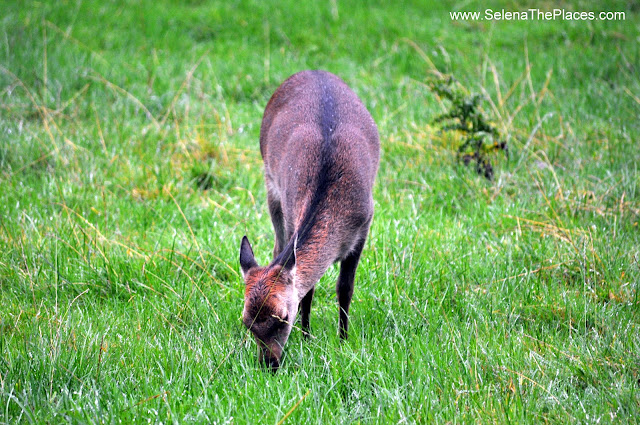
321,151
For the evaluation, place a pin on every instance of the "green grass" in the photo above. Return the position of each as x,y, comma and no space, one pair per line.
130,169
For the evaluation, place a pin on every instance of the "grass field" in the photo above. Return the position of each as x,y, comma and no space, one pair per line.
130,169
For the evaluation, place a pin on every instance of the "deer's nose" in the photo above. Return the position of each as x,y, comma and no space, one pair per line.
270,359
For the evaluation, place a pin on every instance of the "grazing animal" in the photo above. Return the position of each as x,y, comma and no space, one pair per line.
321,150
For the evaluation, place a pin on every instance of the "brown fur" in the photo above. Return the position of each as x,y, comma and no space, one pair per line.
321,150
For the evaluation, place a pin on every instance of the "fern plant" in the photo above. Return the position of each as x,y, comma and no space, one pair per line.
466,116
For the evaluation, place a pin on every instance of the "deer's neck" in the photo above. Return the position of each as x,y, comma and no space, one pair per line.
313,258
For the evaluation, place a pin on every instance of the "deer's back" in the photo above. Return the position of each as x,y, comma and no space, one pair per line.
320,147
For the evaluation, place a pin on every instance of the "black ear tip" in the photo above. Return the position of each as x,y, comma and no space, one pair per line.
245,243
288,256
247,259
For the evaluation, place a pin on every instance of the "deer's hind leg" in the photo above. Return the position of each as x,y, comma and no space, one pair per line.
305,311
344,286
275,211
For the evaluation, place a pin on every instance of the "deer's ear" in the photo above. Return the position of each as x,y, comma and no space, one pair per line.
247,260
287,258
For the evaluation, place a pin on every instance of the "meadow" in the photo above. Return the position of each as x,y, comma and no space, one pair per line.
130,170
